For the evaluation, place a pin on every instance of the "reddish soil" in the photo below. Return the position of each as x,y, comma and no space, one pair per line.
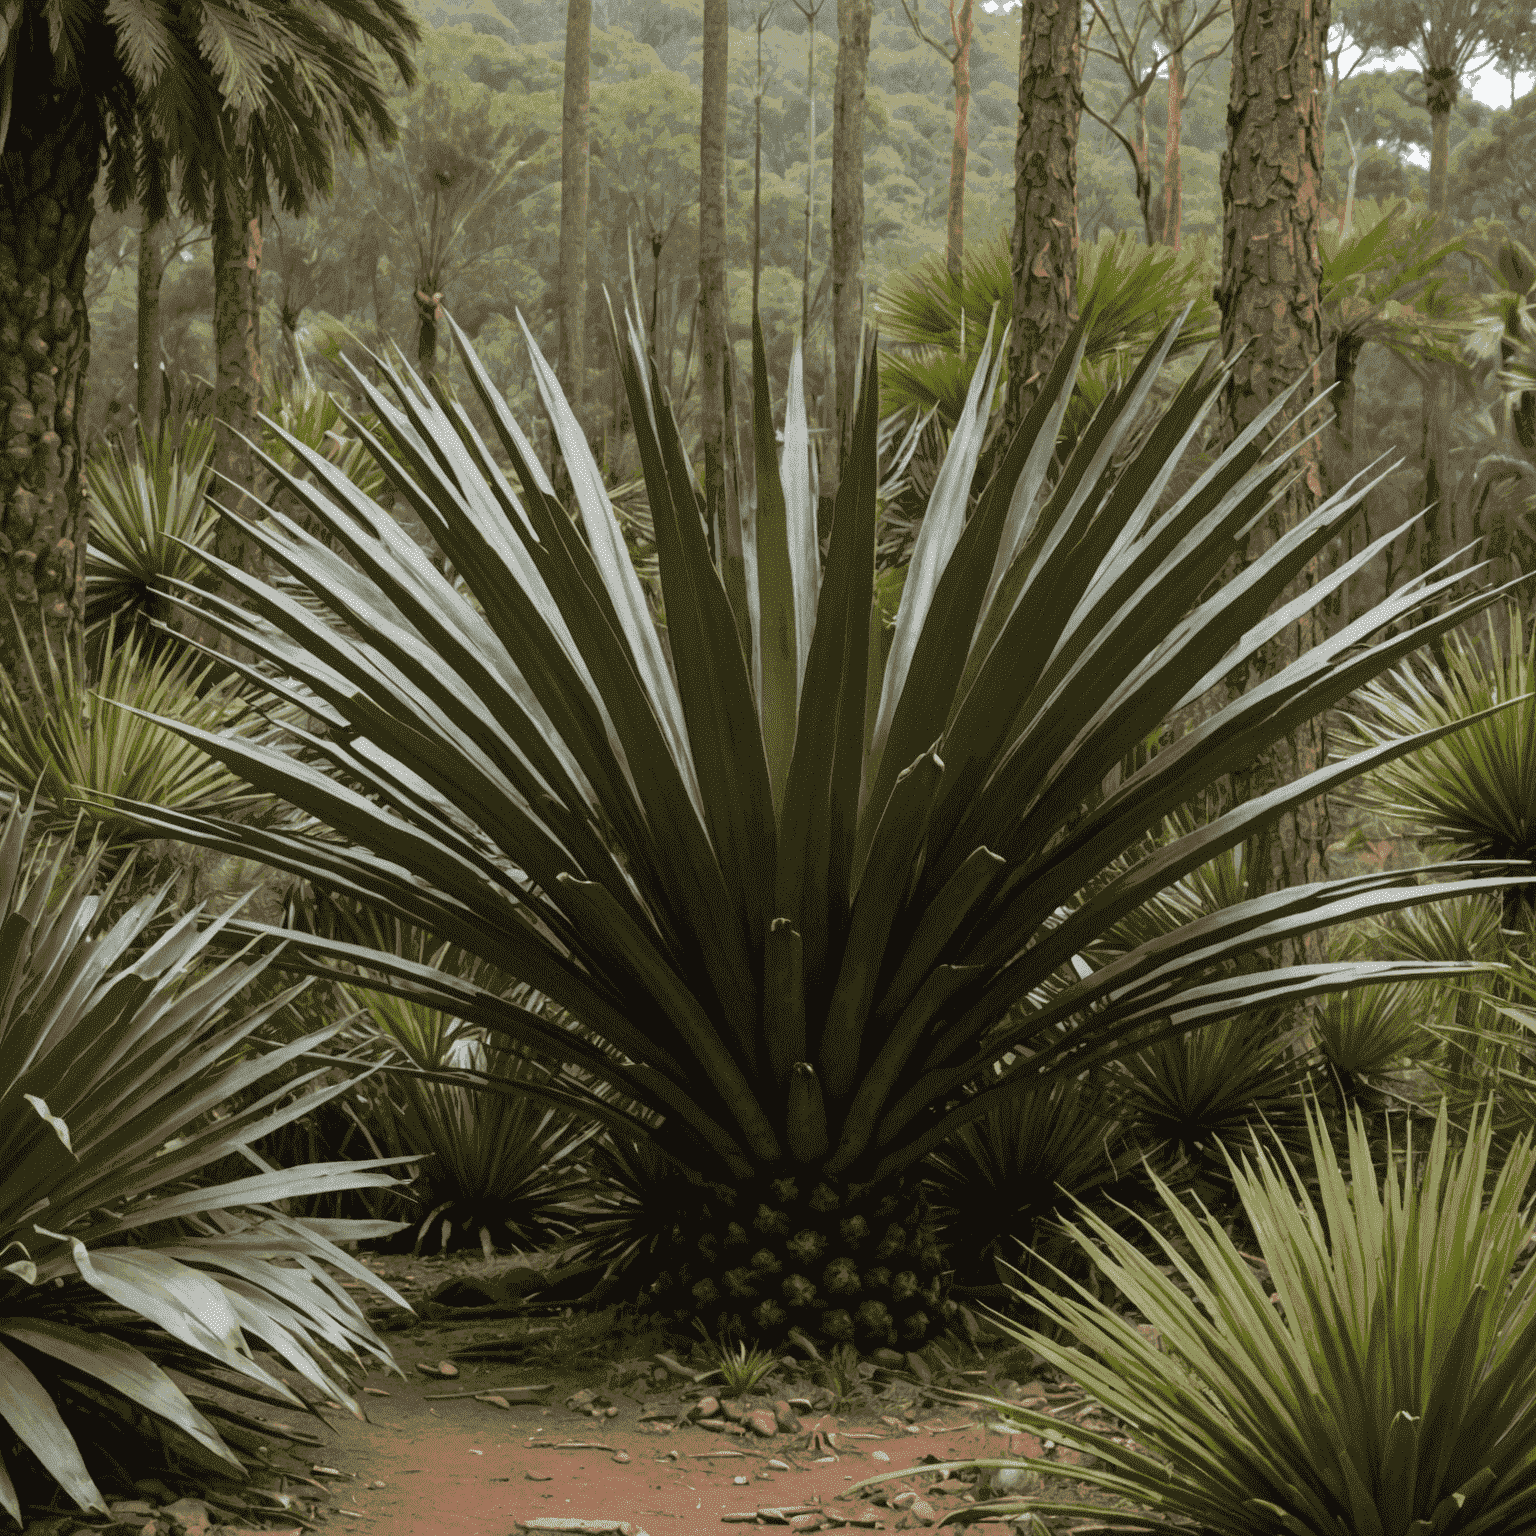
461,1467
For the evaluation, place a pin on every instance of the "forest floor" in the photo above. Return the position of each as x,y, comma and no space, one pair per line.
427,1462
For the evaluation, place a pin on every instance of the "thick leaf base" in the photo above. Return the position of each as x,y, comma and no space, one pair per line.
799,1252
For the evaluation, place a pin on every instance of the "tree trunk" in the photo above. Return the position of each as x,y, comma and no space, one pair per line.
955,247
1441,89
1044,246
237,363
721,503
810,182
1270,303
429,313
52,153
1173,167
853,23
1142,160
575,118
147,379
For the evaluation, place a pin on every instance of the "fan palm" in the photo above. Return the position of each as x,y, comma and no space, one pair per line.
801,900
237,102
120,1259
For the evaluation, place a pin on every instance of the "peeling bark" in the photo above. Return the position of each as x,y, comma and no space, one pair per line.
49,173
1271,308
1044,245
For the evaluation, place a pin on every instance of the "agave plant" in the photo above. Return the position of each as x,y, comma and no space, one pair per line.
119,1260
1386,1384
801,893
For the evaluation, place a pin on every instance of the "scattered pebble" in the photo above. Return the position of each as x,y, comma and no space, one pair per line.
621,1456
740,1482
538,1477
776,1464
880,1455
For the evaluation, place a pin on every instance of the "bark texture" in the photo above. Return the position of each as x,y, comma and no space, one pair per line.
853,22
721,500
962,24
1173,165
237,389
1044,246
147,374
1270,306
575,121
1441,87
46,183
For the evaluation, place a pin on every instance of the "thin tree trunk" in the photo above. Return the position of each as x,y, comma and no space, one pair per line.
1142,160
147,320
52,151
1173,166
575,120
757,180
810,179
960,149
721,504
1044,245
853,23
429,313
237,363
1271,311
1441,88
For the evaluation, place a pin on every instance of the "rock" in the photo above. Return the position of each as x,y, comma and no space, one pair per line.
721,1427
126,1507
800,1404
188,1515
777,1465
734,1409
950,1485
921,1509
879,1456
538,1477
761,1422
706,1408
583,1527
786,1418
621,1457
582,1401
805,1522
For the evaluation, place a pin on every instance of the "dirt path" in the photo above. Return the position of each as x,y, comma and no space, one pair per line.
466,1468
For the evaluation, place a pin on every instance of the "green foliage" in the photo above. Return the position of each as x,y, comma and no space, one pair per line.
119,1059
1127,293
150,524
102,744
1387,1386
742,1370
795,919
1472,791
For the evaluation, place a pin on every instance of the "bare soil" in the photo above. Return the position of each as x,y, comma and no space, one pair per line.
425,1462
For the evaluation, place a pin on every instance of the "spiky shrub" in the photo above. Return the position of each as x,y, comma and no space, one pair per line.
998,1182
101,742
799,893
1389,1385
151,524
497,1166
1472,791
120,1260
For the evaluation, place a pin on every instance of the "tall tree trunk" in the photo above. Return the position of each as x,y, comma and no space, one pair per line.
959,150
52,153
853,23
237,363
721,502
1271,309
1142,160
810,178
757,179
1173,166
147,377
575,118
1441,89
429,315
1044,246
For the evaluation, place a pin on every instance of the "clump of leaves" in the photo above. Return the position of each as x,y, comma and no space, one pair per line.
742,1370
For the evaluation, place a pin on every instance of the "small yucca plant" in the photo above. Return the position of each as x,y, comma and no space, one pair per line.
1388,1385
